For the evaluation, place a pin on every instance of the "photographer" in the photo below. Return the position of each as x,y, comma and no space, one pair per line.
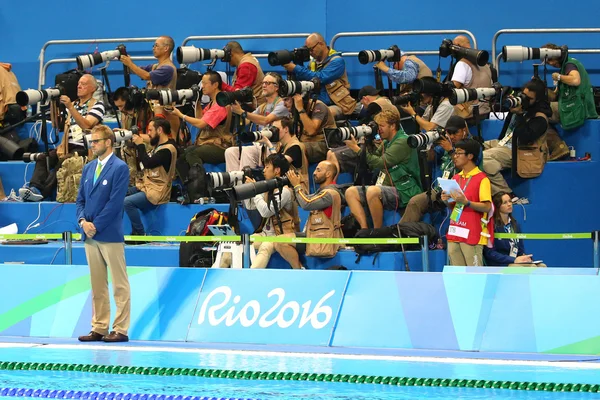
290,147
273,224
273,109
468,75
158,169
575,93
405,71
213,122
247,71
436,114
313,117
10,112
325,208
529,123
82,115
399,177
330,69
456,130
470,228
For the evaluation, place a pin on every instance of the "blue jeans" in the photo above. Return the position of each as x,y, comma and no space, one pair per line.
135,201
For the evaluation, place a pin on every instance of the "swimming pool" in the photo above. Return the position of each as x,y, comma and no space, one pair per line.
263,375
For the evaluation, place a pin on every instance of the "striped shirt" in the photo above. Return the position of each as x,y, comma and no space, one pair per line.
97,111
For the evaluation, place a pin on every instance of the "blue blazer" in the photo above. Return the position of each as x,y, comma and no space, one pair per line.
102,203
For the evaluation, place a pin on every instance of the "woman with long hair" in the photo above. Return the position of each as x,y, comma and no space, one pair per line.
507,252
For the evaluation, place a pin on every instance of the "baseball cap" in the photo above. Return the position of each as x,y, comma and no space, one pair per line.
455,123
367,91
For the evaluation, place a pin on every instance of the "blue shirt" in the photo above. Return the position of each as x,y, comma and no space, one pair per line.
407,74
333,70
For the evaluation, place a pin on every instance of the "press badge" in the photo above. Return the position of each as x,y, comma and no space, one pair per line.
380,179
456,212
446,175
513,250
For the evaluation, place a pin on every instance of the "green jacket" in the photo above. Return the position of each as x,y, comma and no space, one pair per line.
400,164
576,103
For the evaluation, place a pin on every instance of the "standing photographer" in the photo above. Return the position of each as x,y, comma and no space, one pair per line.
325,215
529,122
399,177
273,109
82,115
330,69
405,71
158,171
247,72
276,221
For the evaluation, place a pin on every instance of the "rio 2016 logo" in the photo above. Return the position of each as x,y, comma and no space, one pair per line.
284,315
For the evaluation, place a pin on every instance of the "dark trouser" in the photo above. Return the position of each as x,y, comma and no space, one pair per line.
135,201
45,180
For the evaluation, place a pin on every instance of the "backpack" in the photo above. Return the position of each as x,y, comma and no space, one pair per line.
195,254
68,177
400,230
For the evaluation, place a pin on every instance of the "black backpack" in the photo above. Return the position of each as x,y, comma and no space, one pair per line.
400,230
197,254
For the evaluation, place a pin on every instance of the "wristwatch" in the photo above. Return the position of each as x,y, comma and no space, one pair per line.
244,114
81,221
302,111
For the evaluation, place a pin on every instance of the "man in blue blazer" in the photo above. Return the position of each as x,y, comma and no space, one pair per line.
102,191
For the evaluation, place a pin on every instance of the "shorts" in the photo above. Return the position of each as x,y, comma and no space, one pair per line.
390,198
347,159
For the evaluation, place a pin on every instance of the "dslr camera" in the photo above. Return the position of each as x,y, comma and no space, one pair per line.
336,137
392,54
290,88
478,57
245,95
520,53
191,54
179,97
32,96
272,133
90,60
249,190
282,57
424,139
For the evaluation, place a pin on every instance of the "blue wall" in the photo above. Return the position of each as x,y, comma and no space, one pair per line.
26,29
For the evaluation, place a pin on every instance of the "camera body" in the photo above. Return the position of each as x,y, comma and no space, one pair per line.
393,54
516,100
412,97
336,137
245,95
433,87
477,57
136,97
192,54
179,97
299,55
423,139
90,60
520,53
272,133
32,96
290,88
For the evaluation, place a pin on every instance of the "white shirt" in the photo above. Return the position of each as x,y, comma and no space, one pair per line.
462,73
103,162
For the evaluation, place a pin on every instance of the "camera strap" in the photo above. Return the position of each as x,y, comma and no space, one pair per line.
109,95
271,197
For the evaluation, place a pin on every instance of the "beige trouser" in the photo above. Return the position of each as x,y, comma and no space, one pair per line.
316,151
265,251
250,157
495,159
101,255
465,255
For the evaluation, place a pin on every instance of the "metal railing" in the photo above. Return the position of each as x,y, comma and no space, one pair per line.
403,33
253,36
44,66
544,30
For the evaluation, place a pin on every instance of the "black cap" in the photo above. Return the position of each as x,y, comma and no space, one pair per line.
455,123
367,91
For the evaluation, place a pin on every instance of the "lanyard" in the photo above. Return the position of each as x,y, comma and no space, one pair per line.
466,184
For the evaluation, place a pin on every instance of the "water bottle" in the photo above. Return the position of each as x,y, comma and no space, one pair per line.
205,200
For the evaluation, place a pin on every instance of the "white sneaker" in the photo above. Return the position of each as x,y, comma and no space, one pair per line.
12,196
30,194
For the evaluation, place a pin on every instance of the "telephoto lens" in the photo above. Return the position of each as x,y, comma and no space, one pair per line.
245,95
249,190
423,139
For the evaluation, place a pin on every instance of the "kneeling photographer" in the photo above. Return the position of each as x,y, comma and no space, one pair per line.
434,96
399,177
325,215
528,120
158,171
82,115
277,208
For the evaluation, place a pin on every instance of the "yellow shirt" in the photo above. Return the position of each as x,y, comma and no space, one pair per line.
485,194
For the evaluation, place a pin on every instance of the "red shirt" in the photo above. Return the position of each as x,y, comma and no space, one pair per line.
246,75
213,114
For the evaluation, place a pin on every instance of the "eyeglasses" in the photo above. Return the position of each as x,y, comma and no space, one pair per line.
310,49
269,83
459,153
96,141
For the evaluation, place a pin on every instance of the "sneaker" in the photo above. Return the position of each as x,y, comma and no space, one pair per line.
28,193
13,197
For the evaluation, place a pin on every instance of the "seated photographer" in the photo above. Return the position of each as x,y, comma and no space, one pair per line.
275,221
436,114
162,75
470,76
325,215
290,147
247,72
456,130
312,117
573,98
507,252
330,69
469,229
213,122
529,122
273,109
399,177
406,71
345,159
82,115
158,170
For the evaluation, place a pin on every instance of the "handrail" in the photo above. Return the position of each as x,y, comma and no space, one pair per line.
253,36
42,78
403,33
536,30
571,51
